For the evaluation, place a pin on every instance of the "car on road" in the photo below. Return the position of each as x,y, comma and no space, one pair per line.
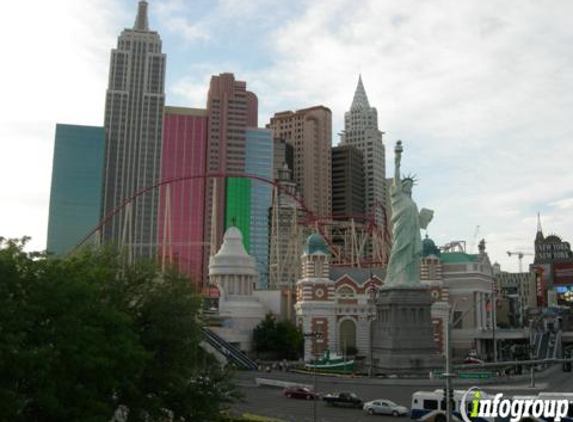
300,393
470,360
384,407
344,399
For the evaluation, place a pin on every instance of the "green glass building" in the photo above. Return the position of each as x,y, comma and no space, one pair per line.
75,195
238,207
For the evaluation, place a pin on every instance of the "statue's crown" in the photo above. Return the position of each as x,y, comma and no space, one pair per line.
410,177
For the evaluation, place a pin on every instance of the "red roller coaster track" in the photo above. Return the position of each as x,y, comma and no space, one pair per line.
311,218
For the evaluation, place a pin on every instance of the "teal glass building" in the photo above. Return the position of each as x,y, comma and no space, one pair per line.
76,191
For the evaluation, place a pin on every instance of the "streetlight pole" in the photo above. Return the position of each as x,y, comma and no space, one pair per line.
370,349
448,375
531,354
315,392
314,335
494,319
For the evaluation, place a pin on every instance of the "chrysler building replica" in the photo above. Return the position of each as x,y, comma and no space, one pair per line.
361,131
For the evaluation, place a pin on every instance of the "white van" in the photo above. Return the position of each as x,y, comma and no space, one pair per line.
430,406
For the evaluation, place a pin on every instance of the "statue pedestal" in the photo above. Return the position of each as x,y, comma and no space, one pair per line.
403,338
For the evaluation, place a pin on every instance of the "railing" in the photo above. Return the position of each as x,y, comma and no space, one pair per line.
558,346
512,362
543,352
231,353
537,343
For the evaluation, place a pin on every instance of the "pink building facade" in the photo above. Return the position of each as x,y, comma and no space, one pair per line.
181,217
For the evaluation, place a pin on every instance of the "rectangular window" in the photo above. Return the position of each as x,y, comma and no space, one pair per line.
430,404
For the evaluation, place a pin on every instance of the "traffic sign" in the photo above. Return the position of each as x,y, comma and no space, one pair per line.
475,375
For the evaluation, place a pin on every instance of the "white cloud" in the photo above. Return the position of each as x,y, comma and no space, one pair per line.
479,92
479,95
171,16
191,92
56,71
563,204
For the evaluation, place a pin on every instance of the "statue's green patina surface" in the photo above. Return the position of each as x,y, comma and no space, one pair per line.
404,264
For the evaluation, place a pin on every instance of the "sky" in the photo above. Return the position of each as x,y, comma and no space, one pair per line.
479,92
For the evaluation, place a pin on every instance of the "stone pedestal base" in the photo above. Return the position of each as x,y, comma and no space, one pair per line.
403,337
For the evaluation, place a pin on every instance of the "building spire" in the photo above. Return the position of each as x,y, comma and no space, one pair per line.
141,21
360,101
539,235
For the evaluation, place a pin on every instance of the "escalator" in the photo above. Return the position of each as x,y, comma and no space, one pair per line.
228,351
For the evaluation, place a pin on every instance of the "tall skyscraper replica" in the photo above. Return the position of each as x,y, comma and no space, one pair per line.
133,122
231,109
75,196
361,131
309,131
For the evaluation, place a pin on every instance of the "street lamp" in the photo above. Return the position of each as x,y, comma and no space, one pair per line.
448,375
314,335
532,348
371,318
531,353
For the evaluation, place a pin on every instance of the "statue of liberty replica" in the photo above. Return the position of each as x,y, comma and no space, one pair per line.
403,337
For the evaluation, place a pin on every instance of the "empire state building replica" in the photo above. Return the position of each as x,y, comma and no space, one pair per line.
133,122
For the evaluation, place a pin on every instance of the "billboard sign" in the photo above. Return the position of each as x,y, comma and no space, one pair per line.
542,277
563,273
564,295
551,251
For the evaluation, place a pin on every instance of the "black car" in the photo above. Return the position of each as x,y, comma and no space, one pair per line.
345,399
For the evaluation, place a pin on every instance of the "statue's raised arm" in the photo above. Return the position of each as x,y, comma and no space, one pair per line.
397,161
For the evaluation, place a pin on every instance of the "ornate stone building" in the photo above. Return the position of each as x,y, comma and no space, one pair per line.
463,284
336,302
340,302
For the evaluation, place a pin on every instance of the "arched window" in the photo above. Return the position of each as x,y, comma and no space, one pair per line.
432,271
345,291
318,267
347,333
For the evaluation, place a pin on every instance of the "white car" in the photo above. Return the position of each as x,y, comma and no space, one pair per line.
384,407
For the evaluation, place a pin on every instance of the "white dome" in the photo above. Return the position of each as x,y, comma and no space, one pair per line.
232,258
233,244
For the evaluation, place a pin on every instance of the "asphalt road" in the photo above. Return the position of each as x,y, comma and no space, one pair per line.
269,401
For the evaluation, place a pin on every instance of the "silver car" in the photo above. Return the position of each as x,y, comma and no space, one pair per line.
384,407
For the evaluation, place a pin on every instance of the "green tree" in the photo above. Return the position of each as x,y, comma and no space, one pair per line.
282,339
84,337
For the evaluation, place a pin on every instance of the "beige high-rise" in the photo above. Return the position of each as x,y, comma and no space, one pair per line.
309,131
